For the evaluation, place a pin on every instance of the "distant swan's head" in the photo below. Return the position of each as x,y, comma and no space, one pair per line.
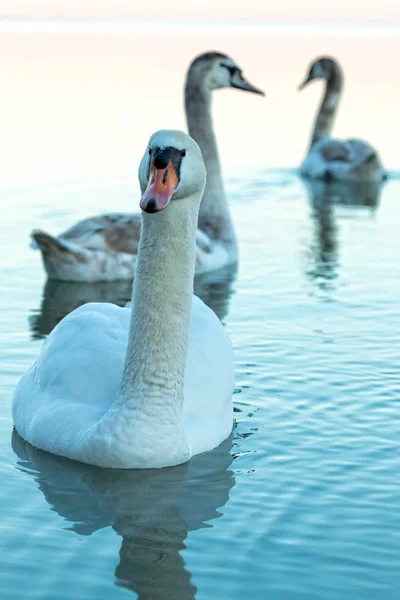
321,68
217,71
172,168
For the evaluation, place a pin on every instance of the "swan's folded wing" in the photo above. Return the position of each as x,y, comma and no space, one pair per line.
351,151
361,151
209,380
116,232
335,151
68,377
203,241
210,254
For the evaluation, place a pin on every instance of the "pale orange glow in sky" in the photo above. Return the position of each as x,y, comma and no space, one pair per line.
77,105
80,100
214,10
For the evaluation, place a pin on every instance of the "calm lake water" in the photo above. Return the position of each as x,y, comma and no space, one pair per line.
303,501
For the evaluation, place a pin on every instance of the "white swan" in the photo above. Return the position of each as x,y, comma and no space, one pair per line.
157,391
330,159
104,248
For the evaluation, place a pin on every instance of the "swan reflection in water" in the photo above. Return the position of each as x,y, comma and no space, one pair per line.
216,289
322,257
151,509
62,297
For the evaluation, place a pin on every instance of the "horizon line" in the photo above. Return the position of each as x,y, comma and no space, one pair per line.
118,25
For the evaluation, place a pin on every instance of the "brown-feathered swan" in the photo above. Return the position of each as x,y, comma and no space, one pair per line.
104,248
330,159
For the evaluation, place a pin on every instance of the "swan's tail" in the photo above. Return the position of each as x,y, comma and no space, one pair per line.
367,164
60,258
69,261
371,168
53,246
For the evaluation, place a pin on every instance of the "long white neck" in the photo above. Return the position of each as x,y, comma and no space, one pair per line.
325,117
214,215
161,309
147,416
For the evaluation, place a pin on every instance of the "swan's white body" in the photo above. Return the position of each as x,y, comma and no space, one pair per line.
60,402
148,386
104,248
330,159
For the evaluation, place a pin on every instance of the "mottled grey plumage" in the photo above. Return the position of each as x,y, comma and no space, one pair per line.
331,159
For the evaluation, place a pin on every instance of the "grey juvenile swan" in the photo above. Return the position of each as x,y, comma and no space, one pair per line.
104,248
330,159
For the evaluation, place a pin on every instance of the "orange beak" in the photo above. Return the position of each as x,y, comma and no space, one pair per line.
160,189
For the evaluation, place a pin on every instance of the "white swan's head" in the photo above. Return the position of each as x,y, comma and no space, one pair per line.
217,70
172,168
321,68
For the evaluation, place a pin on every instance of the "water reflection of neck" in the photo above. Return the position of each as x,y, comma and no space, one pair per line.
151,563
152,510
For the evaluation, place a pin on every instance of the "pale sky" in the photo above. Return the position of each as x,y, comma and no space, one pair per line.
78,106
209,10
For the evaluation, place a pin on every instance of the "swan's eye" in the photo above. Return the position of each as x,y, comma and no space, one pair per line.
183,153
232,70
150,151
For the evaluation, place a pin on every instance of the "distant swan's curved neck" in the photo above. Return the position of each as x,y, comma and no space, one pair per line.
214,215
161,310
326,114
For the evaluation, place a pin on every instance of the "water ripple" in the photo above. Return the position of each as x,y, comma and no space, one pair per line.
303,502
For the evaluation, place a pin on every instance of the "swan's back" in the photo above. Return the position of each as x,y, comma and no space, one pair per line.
209,380
75,379
341,160
113,232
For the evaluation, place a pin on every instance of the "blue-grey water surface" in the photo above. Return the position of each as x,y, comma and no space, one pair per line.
303,501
